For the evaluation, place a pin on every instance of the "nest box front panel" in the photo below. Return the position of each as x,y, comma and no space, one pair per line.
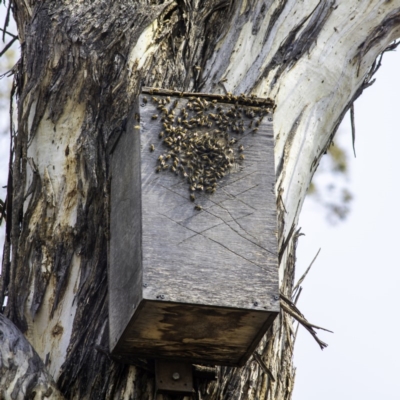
219,249
208,249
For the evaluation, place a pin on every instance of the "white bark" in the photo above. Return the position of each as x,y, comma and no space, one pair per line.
50,334
312,57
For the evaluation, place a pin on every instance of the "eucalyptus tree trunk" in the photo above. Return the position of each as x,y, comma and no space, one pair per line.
82,65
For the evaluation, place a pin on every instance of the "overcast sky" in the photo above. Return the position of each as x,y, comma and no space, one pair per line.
353,285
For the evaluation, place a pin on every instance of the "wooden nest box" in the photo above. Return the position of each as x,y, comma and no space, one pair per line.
193,269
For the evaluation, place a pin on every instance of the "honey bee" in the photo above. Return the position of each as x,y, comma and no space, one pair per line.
154,116
200,147
198,207
151,148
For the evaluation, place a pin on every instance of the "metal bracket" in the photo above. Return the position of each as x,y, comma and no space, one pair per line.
174,377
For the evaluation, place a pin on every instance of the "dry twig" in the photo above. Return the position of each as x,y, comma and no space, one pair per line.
300,281
289,307
353,128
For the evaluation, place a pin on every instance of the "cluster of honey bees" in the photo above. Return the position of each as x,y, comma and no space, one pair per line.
202,139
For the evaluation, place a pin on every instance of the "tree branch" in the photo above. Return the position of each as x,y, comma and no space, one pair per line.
8,33
353,128
300,281
8,45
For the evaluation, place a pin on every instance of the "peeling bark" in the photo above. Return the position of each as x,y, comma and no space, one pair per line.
82,65
22,372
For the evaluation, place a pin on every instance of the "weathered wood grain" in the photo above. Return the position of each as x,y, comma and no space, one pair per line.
221,259
194,333
125,274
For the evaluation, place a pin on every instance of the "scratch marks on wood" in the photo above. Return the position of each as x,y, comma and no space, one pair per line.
237,216
245,235
231,249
